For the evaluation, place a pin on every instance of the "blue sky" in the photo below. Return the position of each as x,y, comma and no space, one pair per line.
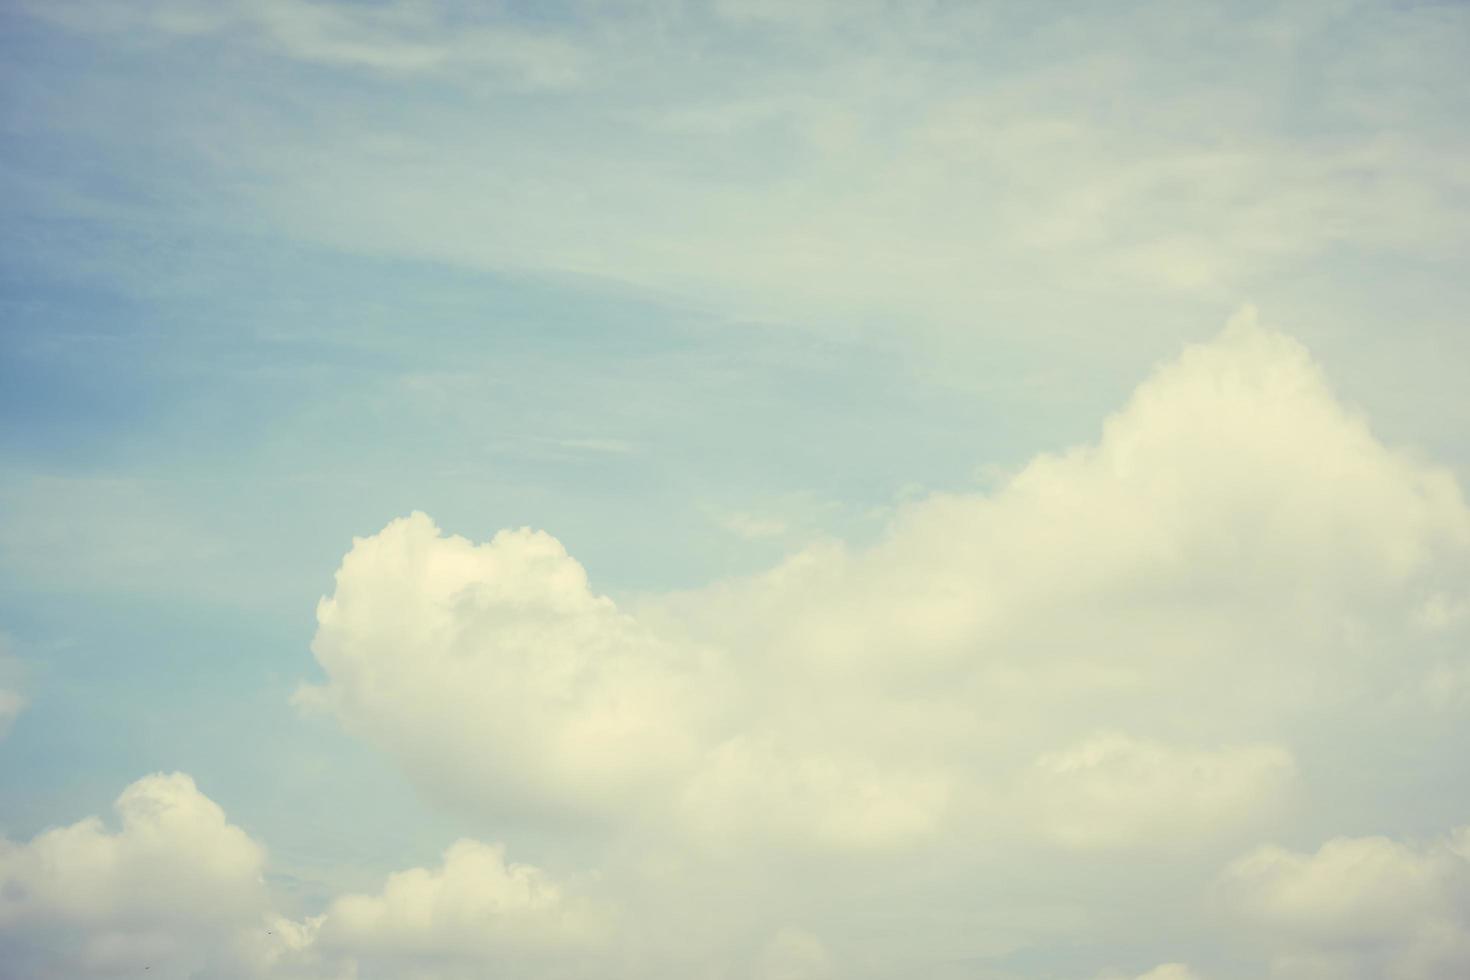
871,360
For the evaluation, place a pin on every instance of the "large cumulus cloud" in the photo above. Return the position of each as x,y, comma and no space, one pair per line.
1171,641
1111,648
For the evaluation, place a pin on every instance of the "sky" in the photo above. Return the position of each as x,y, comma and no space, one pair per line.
734,490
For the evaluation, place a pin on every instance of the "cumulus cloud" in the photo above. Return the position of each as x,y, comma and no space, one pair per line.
168,891
1115,650
1009,702
177,891
476,907
499,656
1135,645
1236,551
173,848
1359,907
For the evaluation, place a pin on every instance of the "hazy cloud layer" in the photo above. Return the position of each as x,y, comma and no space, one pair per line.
876,158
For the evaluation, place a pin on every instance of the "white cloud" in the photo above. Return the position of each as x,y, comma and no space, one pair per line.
1117,647
1165,153
1257,598
751,527
762,785
1359,907
476,906
498,657
398,38
170,891
1112,790
174,848
1236,550
178,891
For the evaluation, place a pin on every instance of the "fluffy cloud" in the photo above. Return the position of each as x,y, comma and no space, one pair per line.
178,891
499,657
1360,907
167,892
174,846
1235,553
475,908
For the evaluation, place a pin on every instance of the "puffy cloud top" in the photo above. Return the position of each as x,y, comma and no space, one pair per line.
175,855
476,905
499,656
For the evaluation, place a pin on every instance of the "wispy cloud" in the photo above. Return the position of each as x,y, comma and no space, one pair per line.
401,37
937,163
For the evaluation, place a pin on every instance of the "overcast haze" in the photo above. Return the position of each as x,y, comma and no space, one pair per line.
742,490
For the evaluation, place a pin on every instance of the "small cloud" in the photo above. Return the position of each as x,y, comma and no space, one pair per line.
476,904
312,700
563,448
1164,971
11,705
594,445
12,702
751,527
